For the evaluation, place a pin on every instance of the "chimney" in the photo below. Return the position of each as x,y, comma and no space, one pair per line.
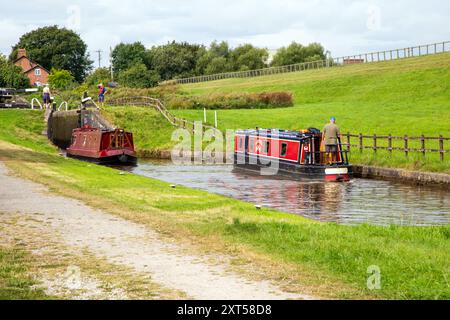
21,53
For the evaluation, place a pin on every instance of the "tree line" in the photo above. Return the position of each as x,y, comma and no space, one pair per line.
64,53
135,66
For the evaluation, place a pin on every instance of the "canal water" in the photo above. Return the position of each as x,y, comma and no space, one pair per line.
359,201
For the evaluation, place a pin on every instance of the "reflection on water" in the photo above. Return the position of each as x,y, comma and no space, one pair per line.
359,201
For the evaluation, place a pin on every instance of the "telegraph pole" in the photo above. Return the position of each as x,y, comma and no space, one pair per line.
99,52
110,64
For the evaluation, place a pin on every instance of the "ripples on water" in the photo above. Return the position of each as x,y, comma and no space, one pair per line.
359,201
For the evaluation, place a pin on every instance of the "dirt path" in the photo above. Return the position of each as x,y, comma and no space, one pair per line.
126,243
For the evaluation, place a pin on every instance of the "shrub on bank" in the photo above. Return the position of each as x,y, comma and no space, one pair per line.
172,97
231,101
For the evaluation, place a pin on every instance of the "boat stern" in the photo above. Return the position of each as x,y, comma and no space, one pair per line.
338,174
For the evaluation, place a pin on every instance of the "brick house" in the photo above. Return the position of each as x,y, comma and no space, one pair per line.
37,74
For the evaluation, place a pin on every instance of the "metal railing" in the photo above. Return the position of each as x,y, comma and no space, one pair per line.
33,101
378,56
64,103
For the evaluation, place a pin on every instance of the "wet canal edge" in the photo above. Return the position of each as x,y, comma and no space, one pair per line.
407,176
359,171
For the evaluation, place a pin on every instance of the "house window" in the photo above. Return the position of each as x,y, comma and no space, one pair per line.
283,149
37,72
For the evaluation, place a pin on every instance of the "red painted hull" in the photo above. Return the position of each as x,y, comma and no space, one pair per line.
114,146
297,153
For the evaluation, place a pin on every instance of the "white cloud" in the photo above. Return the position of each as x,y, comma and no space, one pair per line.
343,26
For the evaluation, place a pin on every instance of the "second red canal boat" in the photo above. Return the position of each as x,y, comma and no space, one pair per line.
102,146
297,153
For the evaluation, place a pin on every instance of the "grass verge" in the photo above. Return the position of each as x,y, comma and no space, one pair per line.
322,259
15,280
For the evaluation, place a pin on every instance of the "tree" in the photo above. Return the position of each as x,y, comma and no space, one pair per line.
60,79
297,53
248,57
217,65
126,55
138,76
54,47
100,75
221,49
215,59
12,76
175,60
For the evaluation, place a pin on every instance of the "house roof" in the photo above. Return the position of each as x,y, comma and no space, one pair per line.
36,66
32,64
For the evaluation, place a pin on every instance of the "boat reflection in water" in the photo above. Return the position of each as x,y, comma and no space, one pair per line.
312,199
354,202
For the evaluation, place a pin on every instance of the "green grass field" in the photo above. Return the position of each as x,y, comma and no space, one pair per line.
405,97
324,259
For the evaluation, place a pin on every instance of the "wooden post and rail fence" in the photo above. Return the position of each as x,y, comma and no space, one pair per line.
158,106
392,143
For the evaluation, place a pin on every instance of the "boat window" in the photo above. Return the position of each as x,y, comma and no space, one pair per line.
267,147
241,143
283,152
251,147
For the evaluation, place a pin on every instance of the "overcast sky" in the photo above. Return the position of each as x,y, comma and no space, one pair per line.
344,27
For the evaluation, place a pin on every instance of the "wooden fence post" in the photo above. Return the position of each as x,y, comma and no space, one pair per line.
360,142
348,142
390,143
441,147
422,140
375,143
406,146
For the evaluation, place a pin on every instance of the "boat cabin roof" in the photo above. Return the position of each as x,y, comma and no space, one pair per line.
281,134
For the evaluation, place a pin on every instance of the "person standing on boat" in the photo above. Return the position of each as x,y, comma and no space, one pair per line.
330,137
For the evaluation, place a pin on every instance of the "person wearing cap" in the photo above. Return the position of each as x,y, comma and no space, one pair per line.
330,136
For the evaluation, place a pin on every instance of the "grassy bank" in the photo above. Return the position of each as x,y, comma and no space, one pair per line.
151,132
405,97
323,259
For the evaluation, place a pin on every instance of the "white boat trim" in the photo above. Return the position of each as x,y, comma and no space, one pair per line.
330,171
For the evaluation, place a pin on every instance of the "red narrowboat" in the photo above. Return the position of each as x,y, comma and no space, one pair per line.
293,153
102,146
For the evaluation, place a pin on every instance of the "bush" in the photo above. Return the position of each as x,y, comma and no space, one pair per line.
162,92
100,75
12,76
138,76
231,101
297,53
60,79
